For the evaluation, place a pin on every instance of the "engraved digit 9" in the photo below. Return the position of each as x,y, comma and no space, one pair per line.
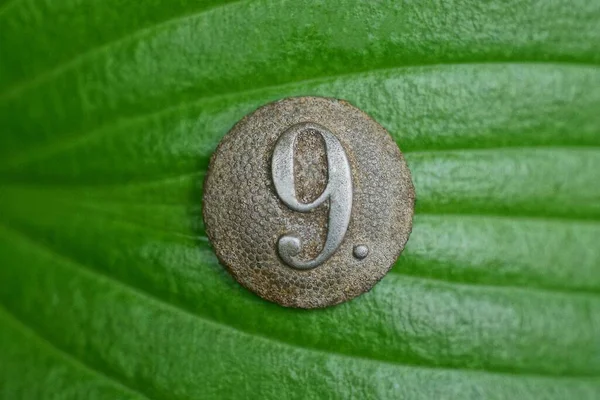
338,191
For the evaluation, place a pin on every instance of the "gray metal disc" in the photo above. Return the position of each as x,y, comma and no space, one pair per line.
308,202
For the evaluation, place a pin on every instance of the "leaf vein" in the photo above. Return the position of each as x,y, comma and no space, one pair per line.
69,358
75,139
149,295
79,58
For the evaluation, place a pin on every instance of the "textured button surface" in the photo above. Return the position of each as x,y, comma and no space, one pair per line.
308,202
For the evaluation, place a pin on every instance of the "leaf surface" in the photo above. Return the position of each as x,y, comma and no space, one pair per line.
111,109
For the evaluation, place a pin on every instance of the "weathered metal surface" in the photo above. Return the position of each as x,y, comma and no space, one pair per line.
308,202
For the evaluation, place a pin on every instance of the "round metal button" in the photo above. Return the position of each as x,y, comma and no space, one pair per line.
308,202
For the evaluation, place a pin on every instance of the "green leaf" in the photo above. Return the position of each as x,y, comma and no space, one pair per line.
110,110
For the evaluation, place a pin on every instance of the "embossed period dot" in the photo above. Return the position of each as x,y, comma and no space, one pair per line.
361,251
308,202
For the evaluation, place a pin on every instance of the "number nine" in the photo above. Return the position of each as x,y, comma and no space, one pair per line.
338,191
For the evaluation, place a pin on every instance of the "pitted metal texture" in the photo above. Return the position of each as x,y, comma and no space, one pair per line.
308,202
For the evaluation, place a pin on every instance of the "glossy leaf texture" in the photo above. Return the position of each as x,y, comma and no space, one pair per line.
110,110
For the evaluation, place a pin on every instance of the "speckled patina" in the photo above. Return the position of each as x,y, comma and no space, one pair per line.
245,217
